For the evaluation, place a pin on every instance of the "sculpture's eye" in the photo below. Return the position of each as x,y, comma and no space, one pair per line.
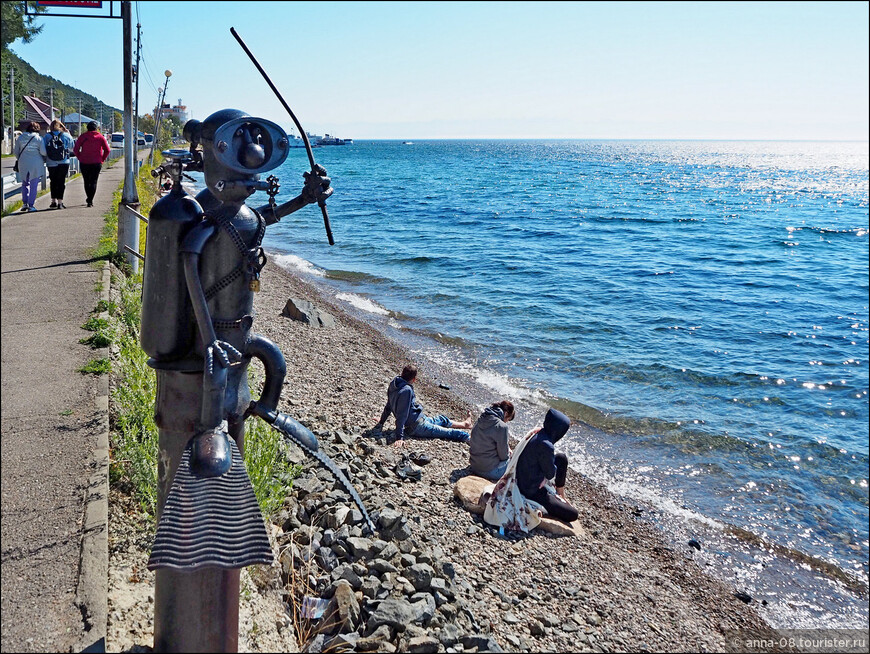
251,153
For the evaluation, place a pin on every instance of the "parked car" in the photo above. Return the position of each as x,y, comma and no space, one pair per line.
116,140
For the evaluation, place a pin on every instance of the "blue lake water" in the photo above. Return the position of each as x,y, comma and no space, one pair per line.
700,309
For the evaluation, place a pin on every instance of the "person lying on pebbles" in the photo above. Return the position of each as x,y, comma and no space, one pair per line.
410,419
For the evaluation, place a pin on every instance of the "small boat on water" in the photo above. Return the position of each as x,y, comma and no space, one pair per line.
331,140
407,142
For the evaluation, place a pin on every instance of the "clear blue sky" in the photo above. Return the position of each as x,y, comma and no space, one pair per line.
743,70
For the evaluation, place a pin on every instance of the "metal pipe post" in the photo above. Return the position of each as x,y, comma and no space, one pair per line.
12,104
128,224
193,611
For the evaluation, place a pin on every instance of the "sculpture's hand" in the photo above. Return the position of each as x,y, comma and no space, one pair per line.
222,353
317,185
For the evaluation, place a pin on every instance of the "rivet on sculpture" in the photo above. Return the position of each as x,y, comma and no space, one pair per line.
203,259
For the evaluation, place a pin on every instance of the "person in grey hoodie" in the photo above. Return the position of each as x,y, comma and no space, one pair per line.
410,419
489,448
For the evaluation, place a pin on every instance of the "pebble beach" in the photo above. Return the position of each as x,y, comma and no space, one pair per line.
435,578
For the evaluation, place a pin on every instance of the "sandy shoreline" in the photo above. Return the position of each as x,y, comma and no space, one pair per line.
621,588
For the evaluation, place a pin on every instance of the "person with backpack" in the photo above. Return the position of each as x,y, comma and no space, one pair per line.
92,150
29,150
58,148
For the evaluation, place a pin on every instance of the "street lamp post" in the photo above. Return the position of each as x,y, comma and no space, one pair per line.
161,98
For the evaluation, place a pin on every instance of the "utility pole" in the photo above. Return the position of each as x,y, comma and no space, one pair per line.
136,77
80,115
128,218
12,93
51,101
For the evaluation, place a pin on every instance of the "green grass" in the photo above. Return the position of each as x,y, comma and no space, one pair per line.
97,340
105,305
103,335
95,324
96,367
271,475
134,434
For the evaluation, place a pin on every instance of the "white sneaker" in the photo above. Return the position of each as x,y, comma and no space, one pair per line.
61,205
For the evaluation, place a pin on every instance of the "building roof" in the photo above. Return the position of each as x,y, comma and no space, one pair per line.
74,118
36,110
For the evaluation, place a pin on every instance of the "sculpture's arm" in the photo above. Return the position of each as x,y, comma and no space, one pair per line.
316,189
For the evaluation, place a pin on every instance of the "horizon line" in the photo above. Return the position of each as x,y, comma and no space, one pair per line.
610,138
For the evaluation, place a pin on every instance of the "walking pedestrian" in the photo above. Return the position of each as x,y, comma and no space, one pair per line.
58,148
29,150
92,150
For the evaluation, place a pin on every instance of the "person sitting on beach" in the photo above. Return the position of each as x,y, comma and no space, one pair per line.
410,419
538,463
489,448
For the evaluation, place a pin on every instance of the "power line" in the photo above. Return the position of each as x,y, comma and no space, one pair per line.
147,54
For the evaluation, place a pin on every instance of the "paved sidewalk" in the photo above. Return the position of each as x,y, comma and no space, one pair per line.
54,424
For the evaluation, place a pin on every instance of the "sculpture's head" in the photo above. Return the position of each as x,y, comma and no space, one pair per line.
236,148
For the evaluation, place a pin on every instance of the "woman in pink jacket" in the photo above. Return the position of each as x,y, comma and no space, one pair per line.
92,149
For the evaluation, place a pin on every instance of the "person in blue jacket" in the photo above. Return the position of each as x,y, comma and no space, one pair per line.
539,463
410,419
58,148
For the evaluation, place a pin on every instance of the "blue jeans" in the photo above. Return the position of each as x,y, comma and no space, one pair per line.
496,473
439,427
29,190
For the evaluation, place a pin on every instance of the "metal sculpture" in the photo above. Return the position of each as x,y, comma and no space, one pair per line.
202,268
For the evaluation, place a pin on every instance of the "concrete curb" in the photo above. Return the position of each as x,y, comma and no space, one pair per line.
92,593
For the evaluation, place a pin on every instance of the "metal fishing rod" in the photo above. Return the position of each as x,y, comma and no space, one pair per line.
322,203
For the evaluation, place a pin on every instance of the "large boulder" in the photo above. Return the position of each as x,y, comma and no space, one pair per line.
468,491
305,311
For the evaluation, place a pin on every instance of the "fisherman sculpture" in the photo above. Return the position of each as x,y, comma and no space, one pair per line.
202,267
